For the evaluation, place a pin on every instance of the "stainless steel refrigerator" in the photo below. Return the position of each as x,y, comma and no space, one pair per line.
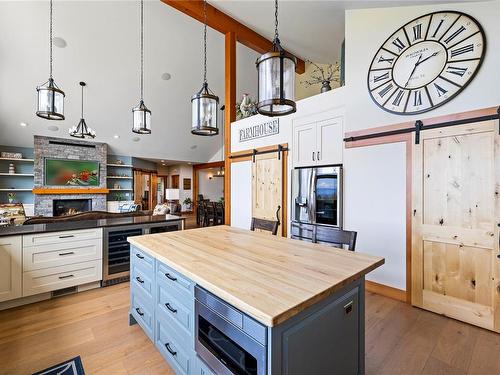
316,202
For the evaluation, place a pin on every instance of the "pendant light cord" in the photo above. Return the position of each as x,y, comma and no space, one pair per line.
82,101
142,50
205,42
50,41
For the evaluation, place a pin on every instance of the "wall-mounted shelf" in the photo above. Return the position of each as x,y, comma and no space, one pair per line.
120,177
22,160
16,190
120,189
120,165
69,190
17,174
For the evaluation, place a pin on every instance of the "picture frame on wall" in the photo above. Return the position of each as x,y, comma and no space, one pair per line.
186,184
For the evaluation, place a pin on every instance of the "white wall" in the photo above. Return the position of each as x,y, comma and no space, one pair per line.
184,171
211,187
241,194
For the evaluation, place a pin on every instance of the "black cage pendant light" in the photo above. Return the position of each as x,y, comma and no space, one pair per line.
276,82
141,114
50,103
81,130
204,104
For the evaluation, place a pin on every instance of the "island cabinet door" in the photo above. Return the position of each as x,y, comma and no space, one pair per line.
11,268
456,211
327,340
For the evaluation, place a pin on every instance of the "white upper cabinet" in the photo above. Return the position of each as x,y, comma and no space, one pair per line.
318,142
11,268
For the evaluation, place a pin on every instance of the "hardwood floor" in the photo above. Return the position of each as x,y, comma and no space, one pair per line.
400,339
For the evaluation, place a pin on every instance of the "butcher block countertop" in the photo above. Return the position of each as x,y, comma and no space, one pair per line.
267,277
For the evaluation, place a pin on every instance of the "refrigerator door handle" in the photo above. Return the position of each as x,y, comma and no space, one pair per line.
312,197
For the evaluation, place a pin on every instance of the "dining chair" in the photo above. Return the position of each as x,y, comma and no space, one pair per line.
219,213
266,225
340,238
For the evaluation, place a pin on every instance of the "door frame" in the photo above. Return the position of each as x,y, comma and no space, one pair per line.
195,180
408,139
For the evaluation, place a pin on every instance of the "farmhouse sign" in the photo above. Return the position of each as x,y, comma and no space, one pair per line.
264,129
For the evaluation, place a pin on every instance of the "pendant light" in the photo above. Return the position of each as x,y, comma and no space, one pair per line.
50,101
204,104
81,130
141,114
276,78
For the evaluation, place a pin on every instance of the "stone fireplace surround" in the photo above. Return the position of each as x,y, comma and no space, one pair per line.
60,148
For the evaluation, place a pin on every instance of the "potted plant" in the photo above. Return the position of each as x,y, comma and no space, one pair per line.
188,202
11,197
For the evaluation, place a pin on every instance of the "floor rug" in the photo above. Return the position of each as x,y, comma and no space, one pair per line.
70,367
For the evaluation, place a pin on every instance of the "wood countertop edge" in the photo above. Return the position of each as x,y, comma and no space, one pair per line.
268,320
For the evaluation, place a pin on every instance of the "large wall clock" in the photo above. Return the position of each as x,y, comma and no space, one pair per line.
426,63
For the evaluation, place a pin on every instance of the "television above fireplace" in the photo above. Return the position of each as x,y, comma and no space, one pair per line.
68,172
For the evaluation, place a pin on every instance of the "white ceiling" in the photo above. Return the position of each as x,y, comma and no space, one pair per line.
311,29
103,50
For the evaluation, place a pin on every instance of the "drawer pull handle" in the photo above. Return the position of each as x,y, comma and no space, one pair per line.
171,351
65,277
68,253
140,280
168,306
139,311
67,236
139,256
170,277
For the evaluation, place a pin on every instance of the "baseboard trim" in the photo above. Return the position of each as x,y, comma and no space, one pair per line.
386,291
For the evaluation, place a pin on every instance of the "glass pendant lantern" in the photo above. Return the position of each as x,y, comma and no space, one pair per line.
141,115
276,79
205,103
82,130
50,101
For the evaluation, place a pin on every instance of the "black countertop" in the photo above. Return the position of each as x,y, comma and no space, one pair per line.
85,224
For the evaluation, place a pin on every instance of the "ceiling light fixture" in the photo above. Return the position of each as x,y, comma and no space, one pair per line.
166,76
116,136
141,114
23,124
50,97
59,42
276,78
204,103
82,130
53,128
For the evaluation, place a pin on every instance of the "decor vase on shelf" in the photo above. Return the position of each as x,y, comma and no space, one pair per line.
12,168
11,197
324,75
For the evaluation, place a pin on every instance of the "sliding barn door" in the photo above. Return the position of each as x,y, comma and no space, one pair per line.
456,211
268,187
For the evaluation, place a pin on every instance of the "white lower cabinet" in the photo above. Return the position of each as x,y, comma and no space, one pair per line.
11,267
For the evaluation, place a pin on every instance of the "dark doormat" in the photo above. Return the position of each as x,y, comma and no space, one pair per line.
70,367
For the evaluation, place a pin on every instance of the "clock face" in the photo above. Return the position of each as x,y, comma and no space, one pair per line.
426,63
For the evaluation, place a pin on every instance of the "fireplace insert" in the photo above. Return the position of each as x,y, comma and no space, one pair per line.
65,207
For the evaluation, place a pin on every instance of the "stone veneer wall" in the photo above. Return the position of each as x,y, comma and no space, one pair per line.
60,148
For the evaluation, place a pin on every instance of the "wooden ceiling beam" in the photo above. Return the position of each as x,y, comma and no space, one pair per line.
225,24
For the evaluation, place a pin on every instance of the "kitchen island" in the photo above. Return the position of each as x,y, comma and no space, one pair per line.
223,300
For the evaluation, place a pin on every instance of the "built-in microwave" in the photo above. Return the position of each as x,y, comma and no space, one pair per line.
229,341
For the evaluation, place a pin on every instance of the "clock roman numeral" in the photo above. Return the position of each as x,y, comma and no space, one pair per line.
441,91
461,50
385,90
382,59
381,77
417,32
456,70
454,35
437,28
417,98
398,43
397,99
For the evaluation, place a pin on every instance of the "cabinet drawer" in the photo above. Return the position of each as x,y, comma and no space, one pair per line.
173,348
60,237
172,310
46,280
143,313
175,284
59,254
140,259
142,282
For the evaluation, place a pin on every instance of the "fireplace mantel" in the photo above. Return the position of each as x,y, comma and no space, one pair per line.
70,191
